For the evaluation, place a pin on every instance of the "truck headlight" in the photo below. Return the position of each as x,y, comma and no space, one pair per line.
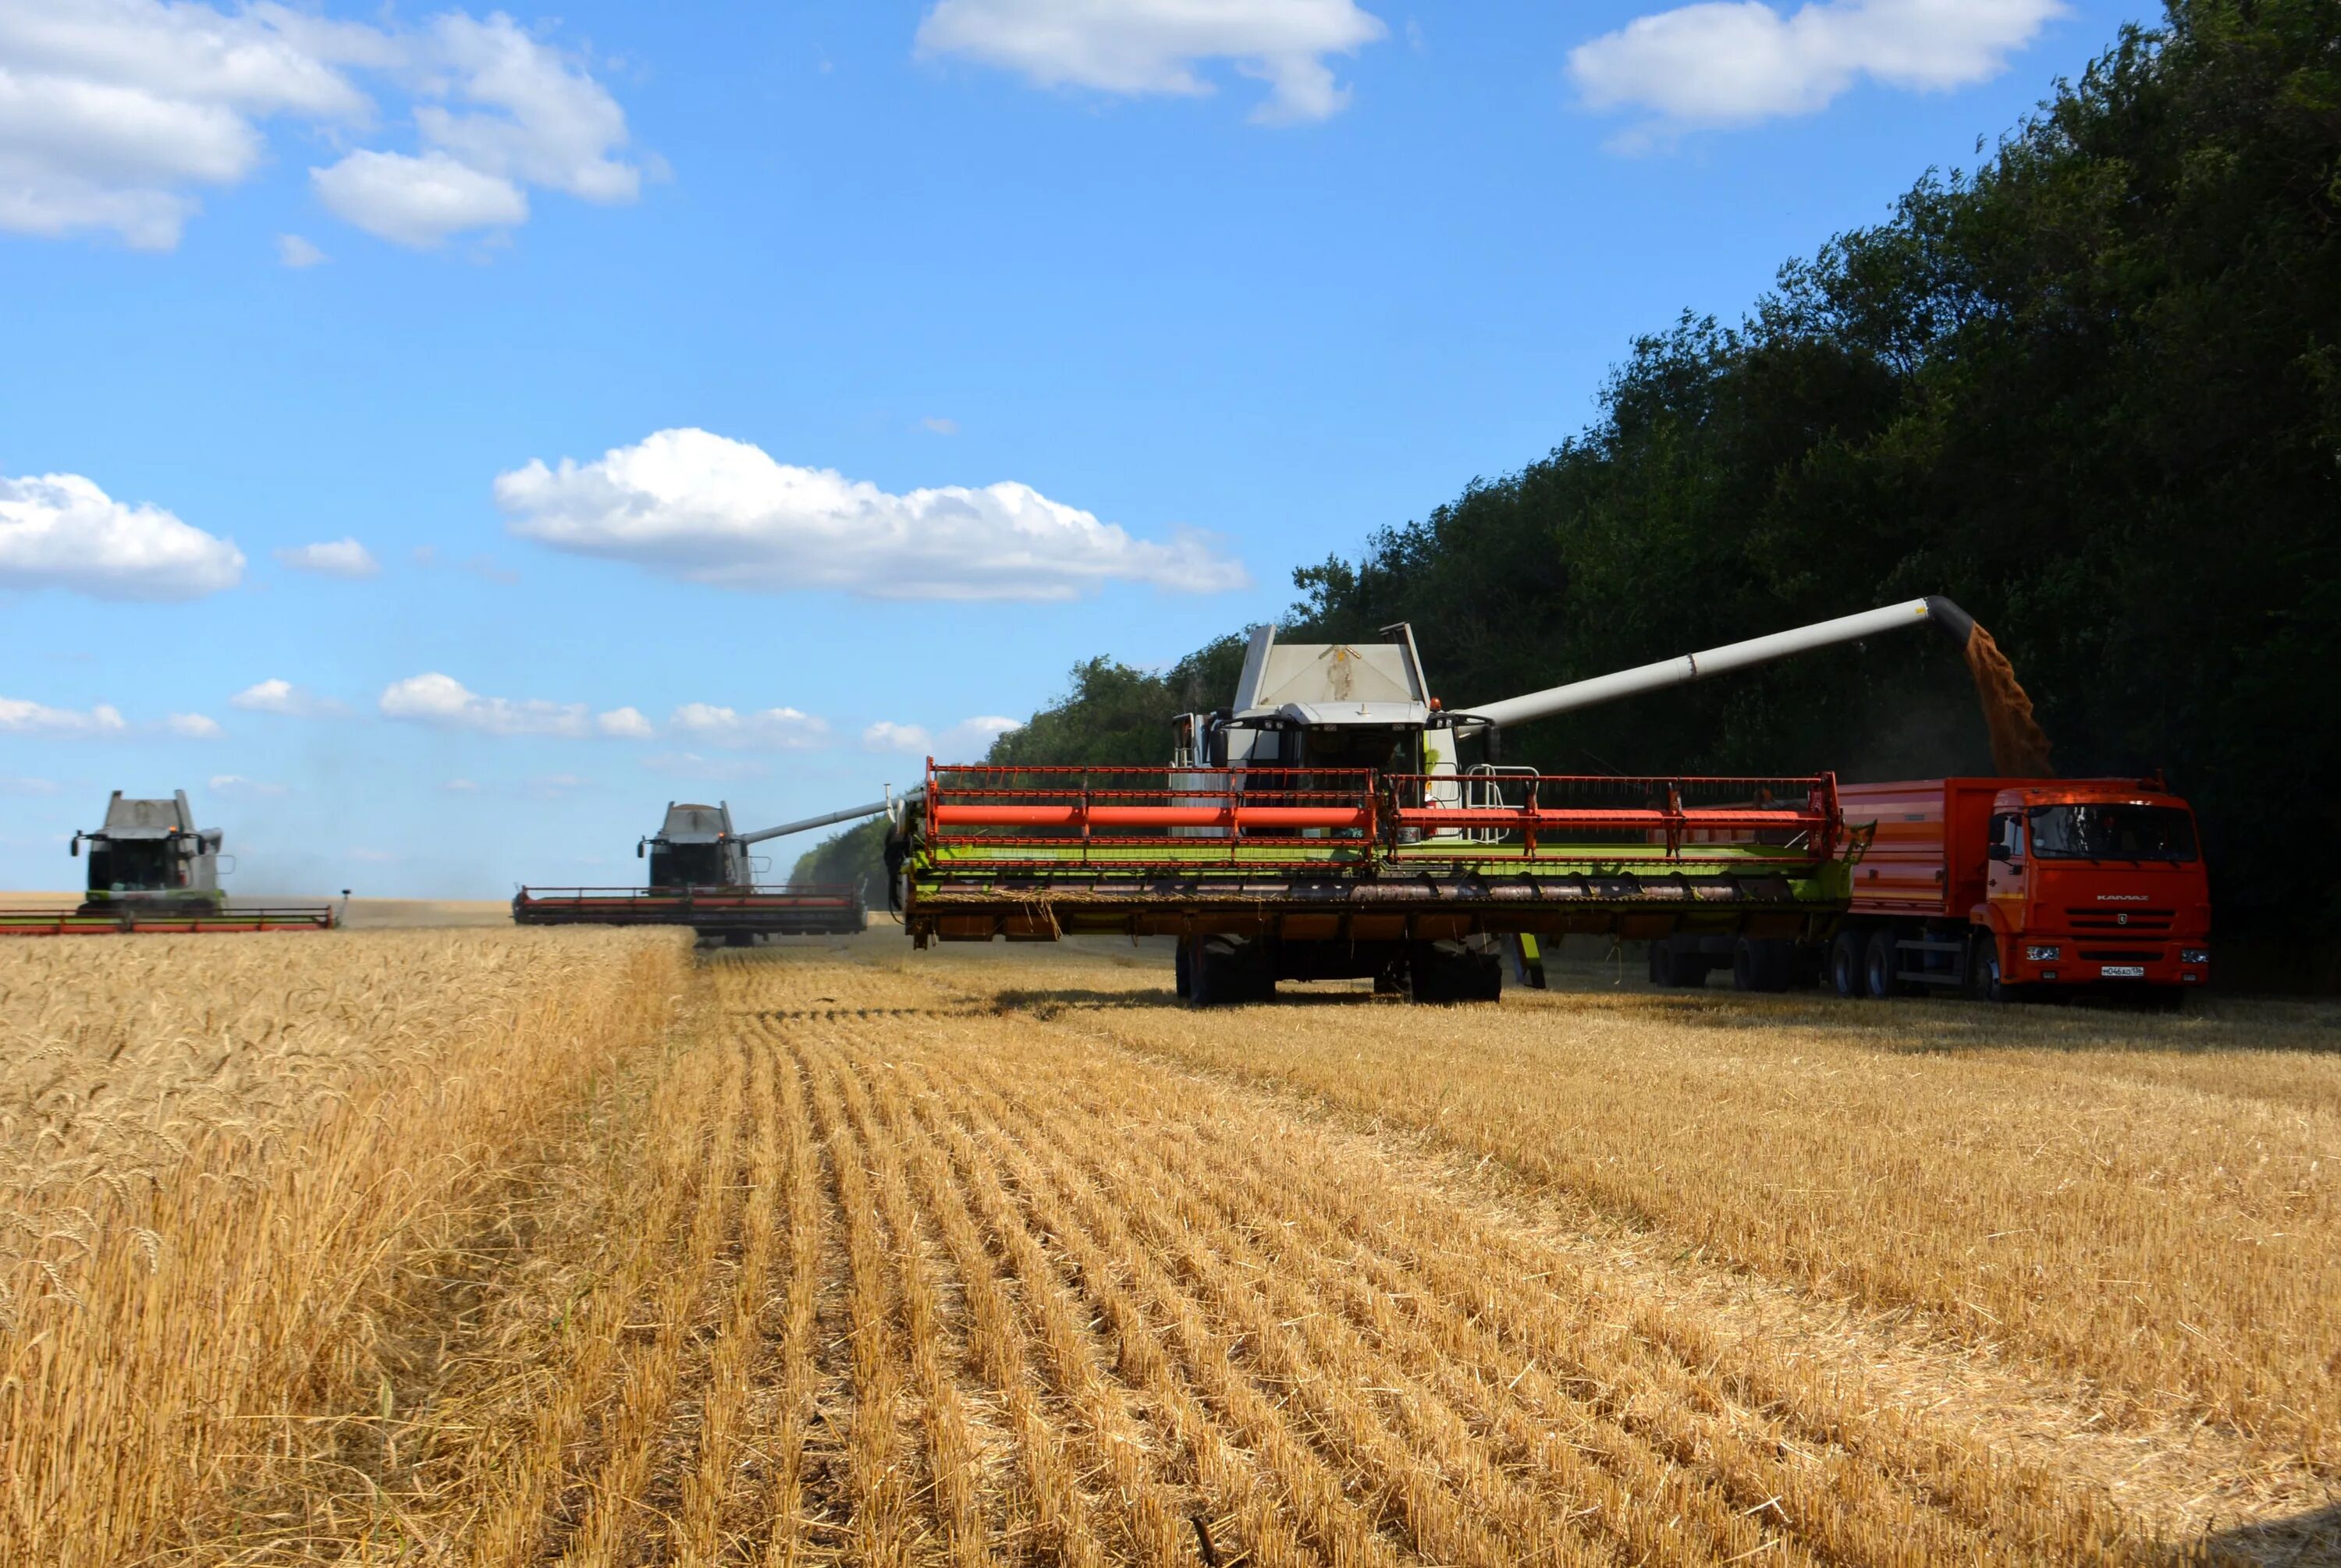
2048,955
2194,954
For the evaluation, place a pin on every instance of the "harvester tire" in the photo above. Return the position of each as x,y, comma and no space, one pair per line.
1760,964
1880,956
1845,965
1221,975
1677,967
1443,972
1183,968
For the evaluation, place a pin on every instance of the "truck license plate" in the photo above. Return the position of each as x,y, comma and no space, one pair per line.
2123,971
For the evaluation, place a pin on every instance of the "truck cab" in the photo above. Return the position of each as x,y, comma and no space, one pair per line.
2088,883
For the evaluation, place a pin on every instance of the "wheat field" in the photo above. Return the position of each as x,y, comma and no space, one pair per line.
521,1248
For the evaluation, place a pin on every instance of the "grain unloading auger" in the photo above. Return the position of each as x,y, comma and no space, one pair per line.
152,869
702,875
1320,828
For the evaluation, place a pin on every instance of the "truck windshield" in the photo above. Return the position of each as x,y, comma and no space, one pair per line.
2112,831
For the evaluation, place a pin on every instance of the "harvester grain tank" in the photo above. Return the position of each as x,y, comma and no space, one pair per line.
151,869
701,874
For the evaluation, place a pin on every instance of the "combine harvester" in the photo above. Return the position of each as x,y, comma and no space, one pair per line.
152,869
1321,828
701,874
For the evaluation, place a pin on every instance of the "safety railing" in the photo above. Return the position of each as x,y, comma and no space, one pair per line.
1542,817
1061,817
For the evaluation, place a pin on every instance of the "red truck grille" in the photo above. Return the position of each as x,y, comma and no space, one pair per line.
2098,918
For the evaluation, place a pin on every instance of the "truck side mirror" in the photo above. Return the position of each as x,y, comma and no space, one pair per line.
76,846
2000,852
638,849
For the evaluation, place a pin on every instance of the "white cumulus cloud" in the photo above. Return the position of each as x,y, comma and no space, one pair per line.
279,696
966,741
711,510
112,112
516,113
624,724
770,728
60,531
114,115
340,557
1142,46
194,727
1734,61
18,717
446,703
236,785
417,201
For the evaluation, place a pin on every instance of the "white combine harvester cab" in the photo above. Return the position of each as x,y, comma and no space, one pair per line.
1307,708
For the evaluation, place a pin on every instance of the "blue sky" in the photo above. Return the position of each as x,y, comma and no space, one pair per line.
436,439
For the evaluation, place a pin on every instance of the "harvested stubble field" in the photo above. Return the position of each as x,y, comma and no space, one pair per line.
598,1254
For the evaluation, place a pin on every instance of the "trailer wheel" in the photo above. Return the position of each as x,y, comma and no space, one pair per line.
1183,968
1845,965
1879,959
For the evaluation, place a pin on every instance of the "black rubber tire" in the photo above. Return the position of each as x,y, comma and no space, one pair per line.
1983,961
1759,965
1665,964
1880,959
1845,963
1227,974
1205,976
1994,988
1441,975
1183,966
1486,977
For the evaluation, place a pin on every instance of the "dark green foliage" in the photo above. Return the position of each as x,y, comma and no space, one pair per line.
854,856
2092,391
1114,714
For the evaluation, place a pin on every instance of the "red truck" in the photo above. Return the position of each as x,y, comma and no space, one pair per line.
2004,888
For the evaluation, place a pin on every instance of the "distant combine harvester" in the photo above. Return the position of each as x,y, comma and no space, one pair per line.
152,869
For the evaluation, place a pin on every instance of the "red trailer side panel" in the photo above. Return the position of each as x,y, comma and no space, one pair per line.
1927,855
